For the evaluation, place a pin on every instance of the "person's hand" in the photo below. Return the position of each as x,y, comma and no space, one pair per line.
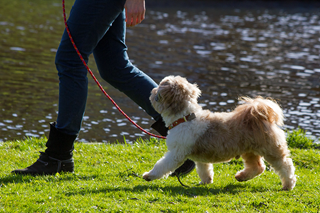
135,11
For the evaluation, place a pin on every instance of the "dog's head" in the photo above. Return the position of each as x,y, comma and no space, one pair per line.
173,95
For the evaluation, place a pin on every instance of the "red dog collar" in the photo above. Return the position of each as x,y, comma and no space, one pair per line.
186,118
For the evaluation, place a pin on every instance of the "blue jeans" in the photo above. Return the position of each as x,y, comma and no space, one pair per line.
98,27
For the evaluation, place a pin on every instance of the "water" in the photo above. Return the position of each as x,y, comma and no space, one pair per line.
229,51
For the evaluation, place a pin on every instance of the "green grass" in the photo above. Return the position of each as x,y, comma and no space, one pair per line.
107,178
298,139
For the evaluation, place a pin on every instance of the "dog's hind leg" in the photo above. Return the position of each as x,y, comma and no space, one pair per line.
253,166
283,166
205,172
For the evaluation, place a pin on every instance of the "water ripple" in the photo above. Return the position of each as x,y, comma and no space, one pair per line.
228,53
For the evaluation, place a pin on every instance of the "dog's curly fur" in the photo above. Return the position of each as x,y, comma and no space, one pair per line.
250,131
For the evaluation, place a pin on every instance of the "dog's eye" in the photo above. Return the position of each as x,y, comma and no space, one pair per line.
157,98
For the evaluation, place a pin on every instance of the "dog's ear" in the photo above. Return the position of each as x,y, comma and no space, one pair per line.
188,89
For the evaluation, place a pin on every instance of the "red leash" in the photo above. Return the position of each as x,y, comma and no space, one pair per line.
95,79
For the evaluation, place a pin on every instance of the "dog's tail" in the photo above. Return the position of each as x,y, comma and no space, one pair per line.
255,112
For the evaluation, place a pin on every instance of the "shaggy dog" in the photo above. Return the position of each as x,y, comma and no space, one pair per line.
250,131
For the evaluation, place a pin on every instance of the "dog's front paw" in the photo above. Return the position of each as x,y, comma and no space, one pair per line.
146,176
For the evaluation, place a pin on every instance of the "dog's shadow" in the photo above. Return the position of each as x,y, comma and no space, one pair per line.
231,189
192,191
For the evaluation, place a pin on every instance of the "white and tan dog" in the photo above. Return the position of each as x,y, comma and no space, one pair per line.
250,131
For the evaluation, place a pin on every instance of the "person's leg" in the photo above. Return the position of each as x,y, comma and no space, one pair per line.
115,67
88,23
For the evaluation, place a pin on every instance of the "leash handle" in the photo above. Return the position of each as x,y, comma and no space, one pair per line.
95,79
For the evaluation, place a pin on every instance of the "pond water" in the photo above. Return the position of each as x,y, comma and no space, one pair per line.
229,51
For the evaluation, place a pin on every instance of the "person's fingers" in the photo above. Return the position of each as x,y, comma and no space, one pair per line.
134,20
138,19
135,12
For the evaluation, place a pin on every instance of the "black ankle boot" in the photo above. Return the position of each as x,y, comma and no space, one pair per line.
188,165
47,165
57,157
59,144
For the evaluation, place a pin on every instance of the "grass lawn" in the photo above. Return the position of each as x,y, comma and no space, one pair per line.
108,178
